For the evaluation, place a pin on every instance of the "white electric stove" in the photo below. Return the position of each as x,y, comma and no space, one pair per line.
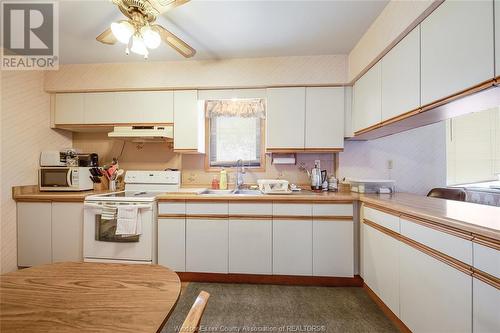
100,244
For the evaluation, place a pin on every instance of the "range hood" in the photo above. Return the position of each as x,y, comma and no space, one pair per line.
144,133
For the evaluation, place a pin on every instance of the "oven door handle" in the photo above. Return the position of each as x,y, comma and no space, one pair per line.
90,205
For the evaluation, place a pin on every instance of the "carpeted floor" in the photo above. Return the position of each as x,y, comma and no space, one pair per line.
270,308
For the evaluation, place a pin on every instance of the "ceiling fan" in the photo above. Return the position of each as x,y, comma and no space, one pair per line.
139,33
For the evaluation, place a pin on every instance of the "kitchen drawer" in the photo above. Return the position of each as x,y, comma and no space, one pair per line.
332,210
292,209
385,220
454,246
167,208
203,208
250,208
487,259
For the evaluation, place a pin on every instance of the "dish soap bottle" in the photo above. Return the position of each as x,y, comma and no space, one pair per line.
223,180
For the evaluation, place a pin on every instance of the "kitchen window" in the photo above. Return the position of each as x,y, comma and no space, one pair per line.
235,130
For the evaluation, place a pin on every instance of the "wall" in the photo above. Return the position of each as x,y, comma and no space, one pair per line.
24,132
254,72
159,156
418,155
390,26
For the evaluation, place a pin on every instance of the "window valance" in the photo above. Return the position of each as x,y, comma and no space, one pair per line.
245,108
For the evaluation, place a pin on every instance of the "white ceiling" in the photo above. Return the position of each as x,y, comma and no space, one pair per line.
224,29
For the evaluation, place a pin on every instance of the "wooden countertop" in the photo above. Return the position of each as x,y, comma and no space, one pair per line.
88,297
33,194
477,219
303,195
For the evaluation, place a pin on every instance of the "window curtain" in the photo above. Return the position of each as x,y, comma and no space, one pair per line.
248,108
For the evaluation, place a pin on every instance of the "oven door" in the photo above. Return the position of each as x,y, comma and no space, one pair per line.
55,178
100,241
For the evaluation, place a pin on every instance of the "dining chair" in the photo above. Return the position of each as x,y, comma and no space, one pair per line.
192,322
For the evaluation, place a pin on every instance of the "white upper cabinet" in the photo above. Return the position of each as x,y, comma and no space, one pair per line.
457,48
367,99
68,109
101,108
146,106
324,117
189,122
401,77
114,108
285,118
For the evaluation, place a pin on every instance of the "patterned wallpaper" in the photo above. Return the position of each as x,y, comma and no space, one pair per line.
25,117
189,74
418,156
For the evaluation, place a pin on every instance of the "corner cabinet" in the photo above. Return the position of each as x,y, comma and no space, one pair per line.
305,119
457,48
367,105
189,123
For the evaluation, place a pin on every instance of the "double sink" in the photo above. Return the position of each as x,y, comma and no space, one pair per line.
232,192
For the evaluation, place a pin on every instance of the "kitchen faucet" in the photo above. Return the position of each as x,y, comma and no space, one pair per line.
240,171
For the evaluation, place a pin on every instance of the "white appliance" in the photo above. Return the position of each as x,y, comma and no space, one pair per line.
163,133
65,179
52,158
100,244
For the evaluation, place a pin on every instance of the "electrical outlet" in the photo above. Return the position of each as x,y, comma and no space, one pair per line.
318,163
390,164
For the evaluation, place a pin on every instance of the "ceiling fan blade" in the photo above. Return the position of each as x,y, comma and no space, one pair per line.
175,42
107,37
172,4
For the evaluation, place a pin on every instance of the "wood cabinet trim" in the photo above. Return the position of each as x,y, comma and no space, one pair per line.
439,227
250,217
424,108
450,261
304,150
385,309
171,216
293,217
383,209
207,216
469,91
488,242
486,278
332,218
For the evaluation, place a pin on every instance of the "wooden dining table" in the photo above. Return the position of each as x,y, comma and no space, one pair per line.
88,297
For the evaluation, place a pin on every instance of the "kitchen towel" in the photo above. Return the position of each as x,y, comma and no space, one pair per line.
108,212
128,222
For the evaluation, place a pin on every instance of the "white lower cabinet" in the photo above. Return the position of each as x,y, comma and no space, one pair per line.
292,247
381,266
172,243
207,245
67,231
333,248
34,223
486,305
250,246
434,297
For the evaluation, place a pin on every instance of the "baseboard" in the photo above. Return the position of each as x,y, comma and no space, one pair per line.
326,281
385,309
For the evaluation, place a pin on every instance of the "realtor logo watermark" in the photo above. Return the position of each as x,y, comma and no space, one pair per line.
30,35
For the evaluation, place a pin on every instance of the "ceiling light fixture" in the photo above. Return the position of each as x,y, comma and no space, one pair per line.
139,32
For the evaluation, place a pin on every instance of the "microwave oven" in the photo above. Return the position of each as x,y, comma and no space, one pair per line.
65,179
